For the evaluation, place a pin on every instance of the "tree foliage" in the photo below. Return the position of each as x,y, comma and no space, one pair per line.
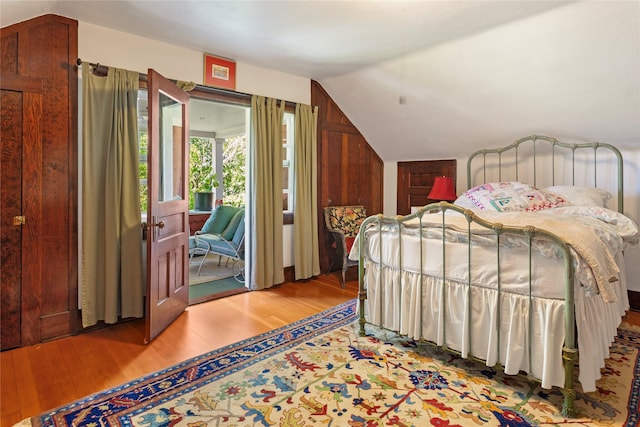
202,176
234,168
143,171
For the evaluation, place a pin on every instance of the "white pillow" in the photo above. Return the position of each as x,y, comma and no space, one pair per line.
581,196
512,197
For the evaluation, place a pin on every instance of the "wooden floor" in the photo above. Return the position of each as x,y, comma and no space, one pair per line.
41,377
633,317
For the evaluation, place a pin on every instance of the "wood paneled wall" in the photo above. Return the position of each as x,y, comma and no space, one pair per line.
350,172
47,48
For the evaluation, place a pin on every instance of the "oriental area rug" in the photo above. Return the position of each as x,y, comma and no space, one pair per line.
320,372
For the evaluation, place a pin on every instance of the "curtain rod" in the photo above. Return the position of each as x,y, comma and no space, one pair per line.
102,71
97,69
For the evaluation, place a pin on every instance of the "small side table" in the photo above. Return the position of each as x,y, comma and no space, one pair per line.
197,220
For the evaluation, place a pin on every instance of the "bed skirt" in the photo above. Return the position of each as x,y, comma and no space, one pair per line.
465,319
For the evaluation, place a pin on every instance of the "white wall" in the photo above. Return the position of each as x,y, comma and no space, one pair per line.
105,46
632,209
390,188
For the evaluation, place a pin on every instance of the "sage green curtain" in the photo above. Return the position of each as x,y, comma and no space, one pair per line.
265,237
305,225
111,237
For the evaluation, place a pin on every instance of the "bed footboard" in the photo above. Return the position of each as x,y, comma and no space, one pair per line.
424,287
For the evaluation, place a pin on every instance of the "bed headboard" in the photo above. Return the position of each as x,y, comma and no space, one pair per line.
545,161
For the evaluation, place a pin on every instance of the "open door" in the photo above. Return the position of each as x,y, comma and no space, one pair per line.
168,205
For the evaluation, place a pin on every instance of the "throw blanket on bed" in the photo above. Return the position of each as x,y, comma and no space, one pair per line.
596,241
583,239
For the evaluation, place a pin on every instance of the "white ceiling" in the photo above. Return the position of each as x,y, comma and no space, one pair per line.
315,39
420,79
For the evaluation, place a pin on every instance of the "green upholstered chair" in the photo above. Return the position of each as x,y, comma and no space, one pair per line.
223,235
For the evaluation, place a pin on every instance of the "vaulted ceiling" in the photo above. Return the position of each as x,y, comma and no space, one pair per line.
420,79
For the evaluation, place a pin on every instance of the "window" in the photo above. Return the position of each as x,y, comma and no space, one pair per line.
143,141
234,170
287,163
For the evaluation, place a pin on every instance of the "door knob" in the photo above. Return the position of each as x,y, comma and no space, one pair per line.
158,224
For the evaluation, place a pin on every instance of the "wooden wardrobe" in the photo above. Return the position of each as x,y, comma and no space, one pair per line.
38,182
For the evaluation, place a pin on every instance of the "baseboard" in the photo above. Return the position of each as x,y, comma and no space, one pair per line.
634,300
289,274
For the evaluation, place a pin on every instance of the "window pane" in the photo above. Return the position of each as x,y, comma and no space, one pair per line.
142,169
284,133
143,141
170,150
202,177
287,161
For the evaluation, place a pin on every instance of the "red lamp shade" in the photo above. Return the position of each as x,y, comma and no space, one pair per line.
443,189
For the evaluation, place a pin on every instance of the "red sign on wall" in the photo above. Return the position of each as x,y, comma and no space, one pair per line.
219,72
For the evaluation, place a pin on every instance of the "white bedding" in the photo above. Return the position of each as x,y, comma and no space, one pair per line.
393,295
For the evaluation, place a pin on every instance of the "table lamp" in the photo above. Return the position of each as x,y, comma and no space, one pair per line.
443,189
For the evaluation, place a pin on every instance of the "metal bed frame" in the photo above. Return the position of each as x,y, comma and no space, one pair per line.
552,159
570,351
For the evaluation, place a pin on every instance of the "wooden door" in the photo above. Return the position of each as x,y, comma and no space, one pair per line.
168,211
415,180
20,210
